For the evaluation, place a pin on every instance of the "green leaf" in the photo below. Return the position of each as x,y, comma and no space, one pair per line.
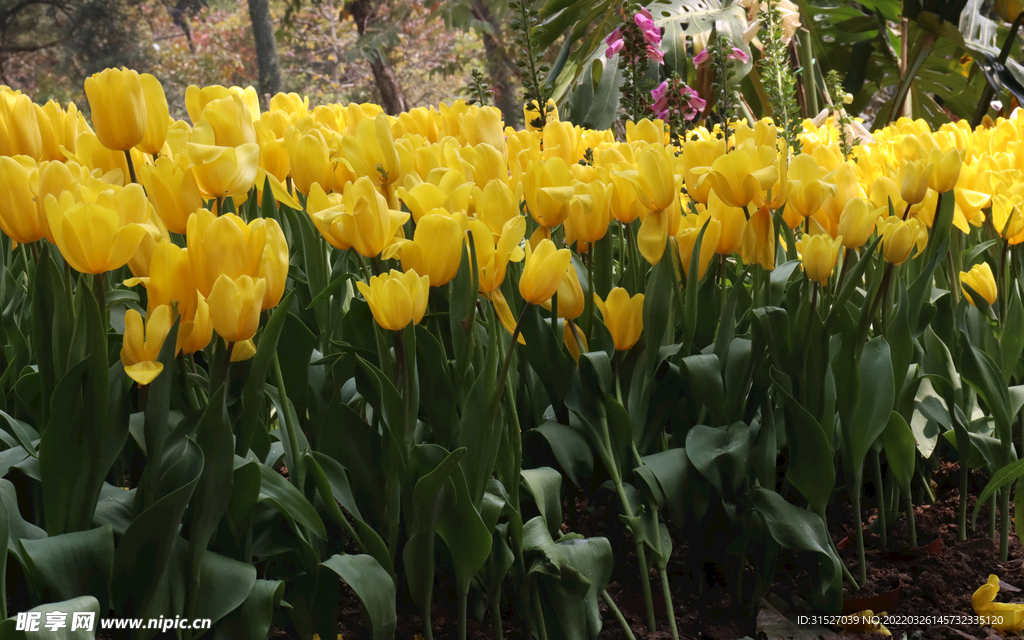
224,585
61,463
23,433
871,414
986,379
256,615
545,486
811,469
900,450
704,374
571,449
374,588
659,299
464,533
252,393
800,530
156,426
721,455
84,604
286,499
667,476
70,565
1011,340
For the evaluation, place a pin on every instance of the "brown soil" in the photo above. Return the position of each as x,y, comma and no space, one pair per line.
932,582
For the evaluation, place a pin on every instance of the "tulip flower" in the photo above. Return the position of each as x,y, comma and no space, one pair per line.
372,153
142,342
574,339
531,114
173,190
589,213
54,179
819,254
807,191
326,211
170,281
570,295
624,316
19,125
235,306
945,170
197,98
19,215
915,177
646,130
758,244
980,279
482,125
226,122
492,257
497,203
396,298
655,181
543,272
561,140
686,240
367,221
698,157
118,107
157,116
202,332
741,176
223,172
548,187
857,222
899,237
435,250
733,221
309,160
101,233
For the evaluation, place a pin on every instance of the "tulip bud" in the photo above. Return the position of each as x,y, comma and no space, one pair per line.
492,258
687,240
570,295
914,186
543,272
819,254
157,117
235,306
945,170
980,279
19,215
118,108
309,160
396,298
224,171
624,316
436,248
900,236
857,221
173,191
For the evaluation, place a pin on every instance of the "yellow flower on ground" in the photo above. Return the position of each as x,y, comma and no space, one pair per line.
624,316
981,279
543,272
118,107
396,299
1003,616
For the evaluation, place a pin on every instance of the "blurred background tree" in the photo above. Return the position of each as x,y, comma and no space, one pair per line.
399,53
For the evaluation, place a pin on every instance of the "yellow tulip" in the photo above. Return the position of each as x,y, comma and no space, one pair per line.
857,222
158,118
421,197
504,314
807,191
698,158
574,339
226,245
844,177
656,184
396,298
497,203
1007,218
140,351
367,221
96,236
308,157
202,331
19,215
899,237
326,211
196,99
273,152
235,306
570,295
54,179
758,245
646,131
914,184
173,191
224,171
91,153
819,254
686,240
118,108
1004,616
19,125
371,151
483,125
561,140
548,187
492,258
589,213
733,221
543,272
655,230
741,176
945,170
624,316
625,206
156,233
170,281
225,123
980,279
435,250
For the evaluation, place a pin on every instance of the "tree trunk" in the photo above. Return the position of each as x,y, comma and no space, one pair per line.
500,67
392,98
266,47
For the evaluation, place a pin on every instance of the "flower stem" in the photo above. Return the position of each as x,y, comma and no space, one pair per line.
131,165
618,615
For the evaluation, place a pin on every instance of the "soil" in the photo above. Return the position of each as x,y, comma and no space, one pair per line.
936,579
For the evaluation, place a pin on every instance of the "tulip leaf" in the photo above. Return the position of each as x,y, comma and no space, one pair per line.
82,604
156,426
875,404
23,433
986,379
61,463
1003,477
851,282
314,262
253,619
692,285
704,376
721,455
374,588
463,530
571,449
546,356
544,484
224,585
213,492
668,477
1011,339
70,565
810,469
290,503
772,330
437,396
462,305
659,302
47,289
795,528
900,450
5,535
481,425
252,393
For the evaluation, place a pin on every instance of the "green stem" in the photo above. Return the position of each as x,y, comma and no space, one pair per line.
1004,524
911,524
542,629
99,284
189,385
131,166
462,615
880,493
961,517
495,607
858,531
641,555
618,615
